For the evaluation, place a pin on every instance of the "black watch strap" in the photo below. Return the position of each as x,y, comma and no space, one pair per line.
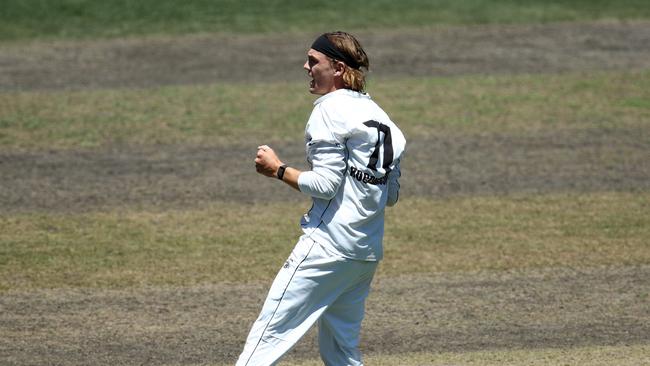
281,170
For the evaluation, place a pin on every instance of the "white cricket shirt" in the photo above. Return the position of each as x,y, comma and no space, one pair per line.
354,151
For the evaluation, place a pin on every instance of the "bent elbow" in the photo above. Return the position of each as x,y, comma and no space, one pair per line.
328,191
392,201
319,185
393,194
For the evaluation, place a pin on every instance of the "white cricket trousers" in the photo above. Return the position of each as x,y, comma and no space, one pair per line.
313,285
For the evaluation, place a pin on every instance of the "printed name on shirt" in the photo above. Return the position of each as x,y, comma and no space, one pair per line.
364,177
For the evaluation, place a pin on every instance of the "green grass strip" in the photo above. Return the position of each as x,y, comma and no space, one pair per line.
61,19
232,113
244,243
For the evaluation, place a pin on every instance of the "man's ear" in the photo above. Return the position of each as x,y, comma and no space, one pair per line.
339,68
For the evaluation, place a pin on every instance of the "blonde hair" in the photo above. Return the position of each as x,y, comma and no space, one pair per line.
354,79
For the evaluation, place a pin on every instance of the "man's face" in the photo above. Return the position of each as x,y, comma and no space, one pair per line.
320,69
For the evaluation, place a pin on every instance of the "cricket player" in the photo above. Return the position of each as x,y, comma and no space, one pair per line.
354,152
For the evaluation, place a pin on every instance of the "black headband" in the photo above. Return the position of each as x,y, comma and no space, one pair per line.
324,45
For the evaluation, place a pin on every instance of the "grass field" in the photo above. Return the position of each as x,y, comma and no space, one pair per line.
29,19
134,231
182,248
223,113
600,356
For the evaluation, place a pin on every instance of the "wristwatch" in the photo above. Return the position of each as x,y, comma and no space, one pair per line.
281,170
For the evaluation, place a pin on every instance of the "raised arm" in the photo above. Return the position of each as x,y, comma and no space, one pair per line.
322,181
267,163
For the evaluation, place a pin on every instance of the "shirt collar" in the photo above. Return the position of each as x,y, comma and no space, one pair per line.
348,92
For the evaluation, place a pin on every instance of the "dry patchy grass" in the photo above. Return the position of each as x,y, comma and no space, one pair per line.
470,234
226,113
244,243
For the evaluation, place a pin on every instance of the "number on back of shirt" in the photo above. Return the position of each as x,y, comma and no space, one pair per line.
387,142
